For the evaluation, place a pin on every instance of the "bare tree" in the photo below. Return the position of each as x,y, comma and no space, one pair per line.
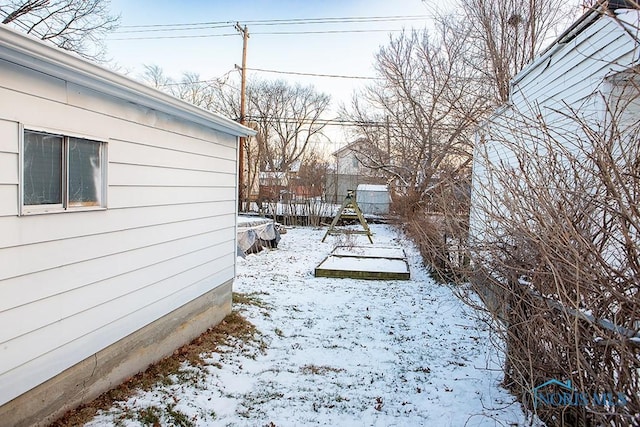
154,76
507,34
288,117
197,91
555,238
419,117
312,174
75,25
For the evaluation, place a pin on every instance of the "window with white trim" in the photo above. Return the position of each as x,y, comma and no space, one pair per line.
62,172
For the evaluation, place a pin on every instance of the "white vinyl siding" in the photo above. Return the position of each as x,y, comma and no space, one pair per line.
72,284
9,168
569,75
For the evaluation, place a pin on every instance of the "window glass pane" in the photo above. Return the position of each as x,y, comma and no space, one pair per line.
85,175
42,169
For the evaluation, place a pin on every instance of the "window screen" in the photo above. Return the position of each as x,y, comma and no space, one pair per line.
61,172
85,175
42,169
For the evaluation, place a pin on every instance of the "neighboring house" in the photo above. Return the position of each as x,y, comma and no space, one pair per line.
117,227
349,171
287,185
274,183
589,67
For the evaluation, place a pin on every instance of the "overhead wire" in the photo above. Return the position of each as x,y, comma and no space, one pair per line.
296,73
281,33
212,25
292,21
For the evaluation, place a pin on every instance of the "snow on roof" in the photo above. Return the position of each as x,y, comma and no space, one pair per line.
373,187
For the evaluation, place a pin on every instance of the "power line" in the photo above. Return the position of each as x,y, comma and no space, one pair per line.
293,21
296,73
198,26
257,33
300,73
335,121
181,28
174,37
286,33
220,80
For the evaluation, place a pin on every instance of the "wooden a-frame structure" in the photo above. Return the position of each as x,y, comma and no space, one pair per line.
349,210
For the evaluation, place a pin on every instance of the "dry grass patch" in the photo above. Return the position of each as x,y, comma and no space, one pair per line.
249,299
234,332
319,369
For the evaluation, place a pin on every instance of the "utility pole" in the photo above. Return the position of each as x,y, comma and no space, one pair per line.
243,85
388,126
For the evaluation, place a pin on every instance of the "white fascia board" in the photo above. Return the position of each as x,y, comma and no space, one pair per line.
33,53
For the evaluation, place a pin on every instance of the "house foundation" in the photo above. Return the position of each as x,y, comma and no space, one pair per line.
113,365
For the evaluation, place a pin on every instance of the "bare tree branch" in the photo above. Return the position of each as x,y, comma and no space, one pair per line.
75,25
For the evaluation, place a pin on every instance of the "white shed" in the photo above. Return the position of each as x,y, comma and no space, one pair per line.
117,227
373,199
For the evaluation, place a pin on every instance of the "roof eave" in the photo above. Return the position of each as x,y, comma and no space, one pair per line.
33,53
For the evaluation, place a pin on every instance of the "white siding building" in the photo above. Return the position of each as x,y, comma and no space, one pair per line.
349,171
576,76
117,227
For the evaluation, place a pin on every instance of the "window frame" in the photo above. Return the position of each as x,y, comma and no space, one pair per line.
65,206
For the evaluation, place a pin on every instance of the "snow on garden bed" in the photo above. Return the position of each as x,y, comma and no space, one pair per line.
344,352
370,251
383,265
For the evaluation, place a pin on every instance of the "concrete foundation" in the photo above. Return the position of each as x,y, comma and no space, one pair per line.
108,368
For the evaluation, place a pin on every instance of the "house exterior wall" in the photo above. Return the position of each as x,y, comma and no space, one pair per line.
75,284
570,75
347,162
349,172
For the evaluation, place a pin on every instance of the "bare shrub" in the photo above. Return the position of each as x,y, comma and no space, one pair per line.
555,227
438,223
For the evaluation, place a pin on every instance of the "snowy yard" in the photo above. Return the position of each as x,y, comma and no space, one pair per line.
342,352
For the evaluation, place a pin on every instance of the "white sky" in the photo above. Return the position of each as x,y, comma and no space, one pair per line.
337,53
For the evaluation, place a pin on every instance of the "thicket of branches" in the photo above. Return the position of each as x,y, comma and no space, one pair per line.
558,229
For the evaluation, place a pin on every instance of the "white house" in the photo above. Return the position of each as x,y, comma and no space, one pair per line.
349,171
117,227
580,74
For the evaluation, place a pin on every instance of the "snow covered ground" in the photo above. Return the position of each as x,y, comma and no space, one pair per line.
343,352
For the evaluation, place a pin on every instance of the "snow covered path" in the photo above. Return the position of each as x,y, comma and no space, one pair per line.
344,352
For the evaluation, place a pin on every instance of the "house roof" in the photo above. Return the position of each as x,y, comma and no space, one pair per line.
588,18
30,52
350,146
375,188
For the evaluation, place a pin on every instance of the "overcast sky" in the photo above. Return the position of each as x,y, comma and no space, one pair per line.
345,47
